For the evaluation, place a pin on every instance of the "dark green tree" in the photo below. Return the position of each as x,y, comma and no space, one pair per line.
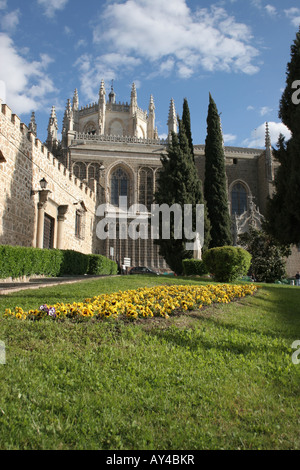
215,185
178,183
186,121
289,110
283,214
268,262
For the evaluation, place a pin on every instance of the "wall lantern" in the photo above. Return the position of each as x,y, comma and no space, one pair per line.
43,183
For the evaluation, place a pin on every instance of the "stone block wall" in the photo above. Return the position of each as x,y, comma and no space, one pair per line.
27,161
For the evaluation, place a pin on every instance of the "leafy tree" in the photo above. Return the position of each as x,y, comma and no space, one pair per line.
283,215
268,255
215,185
178,183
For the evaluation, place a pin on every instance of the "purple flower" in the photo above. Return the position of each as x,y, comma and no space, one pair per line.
51,312
44,307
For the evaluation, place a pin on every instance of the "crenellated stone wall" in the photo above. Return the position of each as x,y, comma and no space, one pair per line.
22,200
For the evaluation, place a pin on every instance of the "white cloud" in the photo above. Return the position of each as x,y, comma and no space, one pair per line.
68,31
3,4
265,110
229,138
3,91
93,70
170,33
81,43
293,14
51,6
271,10
10,21
257,138
26,83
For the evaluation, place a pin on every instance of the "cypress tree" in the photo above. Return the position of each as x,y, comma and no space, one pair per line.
289,110
186,121
178,183
215,185
283,214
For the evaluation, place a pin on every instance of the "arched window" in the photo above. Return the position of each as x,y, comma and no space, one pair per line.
238,199
94,171
119,185
79,170
90,128
146,189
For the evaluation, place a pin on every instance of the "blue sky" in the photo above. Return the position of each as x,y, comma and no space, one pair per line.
235,49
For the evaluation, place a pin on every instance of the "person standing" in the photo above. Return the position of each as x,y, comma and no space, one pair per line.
297,279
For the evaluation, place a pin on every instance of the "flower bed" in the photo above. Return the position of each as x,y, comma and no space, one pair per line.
159,301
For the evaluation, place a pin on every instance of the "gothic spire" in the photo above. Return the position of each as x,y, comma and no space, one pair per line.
75,100
151,105
52,128
151,119
32,125
102,89
133,95
267,137
112,95
172,120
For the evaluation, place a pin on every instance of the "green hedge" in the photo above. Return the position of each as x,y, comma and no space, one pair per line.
194,267
227,263
18,261
99,264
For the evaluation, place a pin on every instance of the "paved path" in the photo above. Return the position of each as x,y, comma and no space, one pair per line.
37,283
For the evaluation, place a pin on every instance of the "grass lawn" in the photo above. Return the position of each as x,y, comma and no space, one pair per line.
219,378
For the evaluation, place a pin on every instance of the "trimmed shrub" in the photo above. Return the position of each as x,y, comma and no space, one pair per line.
100,265
227,263
74,263
19,261
194,267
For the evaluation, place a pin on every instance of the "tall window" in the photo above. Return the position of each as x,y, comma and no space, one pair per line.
48,231
79,170
80,224
94,171
238,199
146,188
119,185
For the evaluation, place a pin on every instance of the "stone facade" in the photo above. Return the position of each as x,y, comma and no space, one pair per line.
25,208
108,150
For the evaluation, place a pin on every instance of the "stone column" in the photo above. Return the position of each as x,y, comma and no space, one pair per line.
62,210
40,225
43,197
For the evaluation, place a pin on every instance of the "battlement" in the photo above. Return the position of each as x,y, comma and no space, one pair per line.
81,138
40,154
89,109
120,107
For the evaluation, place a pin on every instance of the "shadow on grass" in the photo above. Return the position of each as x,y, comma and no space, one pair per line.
262,321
